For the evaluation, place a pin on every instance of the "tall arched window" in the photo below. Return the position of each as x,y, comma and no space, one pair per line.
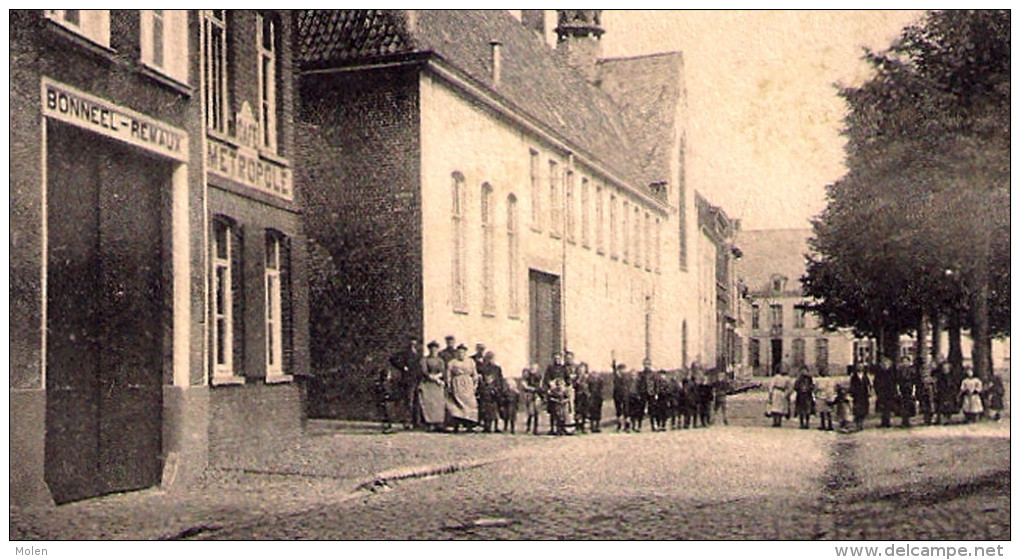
512,254
626,231
571,221
458,261
585,213
488,292
612,226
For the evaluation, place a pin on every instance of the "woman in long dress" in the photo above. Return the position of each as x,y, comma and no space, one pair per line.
970,391
779,397
431,390
461,383
804,387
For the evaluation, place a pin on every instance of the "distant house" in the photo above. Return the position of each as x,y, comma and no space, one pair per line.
778,328
466,178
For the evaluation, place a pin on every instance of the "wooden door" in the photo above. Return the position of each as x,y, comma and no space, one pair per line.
544,317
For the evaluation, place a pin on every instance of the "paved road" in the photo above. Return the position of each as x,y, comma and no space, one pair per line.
719,483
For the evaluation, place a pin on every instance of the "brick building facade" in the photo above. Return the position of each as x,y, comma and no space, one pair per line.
157,256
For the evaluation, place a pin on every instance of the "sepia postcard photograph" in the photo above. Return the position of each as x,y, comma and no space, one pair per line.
726,276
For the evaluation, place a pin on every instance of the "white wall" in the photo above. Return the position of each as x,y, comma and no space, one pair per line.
606,299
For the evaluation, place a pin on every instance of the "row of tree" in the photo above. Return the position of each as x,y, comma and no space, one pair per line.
916,234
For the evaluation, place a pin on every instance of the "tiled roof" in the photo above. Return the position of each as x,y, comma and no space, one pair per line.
534,79
649,91
772,251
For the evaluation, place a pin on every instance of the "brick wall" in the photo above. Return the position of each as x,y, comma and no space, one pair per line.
248,423
360,166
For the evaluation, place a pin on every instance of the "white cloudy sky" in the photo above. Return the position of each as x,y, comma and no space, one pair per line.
764,126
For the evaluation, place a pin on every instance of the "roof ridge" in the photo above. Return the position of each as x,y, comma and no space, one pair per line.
639,56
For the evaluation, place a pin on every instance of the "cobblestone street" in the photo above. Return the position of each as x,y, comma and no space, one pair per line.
742,481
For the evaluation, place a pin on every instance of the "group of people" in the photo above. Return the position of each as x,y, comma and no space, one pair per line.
677,399
445,389
899,391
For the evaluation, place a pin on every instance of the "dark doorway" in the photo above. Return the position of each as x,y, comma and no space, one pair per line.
104,322
544,316
777,353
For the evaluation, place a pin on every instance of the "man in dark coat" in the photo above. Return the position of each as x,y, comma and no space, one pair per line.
449,353
554,371
407,363
621,396
705,398
595,386
905,392
885,391
490,385
690,406
945,394
479,355
860,391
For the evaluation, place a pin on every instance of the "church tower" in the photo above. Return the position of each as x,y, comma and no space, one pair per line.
578,39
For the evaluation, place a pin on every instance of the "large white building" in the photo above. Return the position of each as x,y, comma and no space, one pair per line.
472,180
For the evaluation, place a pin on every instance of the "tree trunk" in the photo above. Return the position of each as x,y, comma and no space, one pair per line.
955,349
979,329
920,346
936,337
891,345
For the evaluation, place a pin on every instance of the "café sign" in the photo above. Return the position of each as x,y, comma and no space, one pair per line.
67,104
241,162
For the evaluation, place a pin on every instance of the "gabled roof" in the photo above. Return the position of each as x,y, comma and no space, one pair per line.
767,252
534,79
650,93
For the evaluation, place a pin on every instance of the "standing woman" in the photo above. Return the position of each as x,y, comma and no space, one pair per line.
779,396
945,394
461,382
970,391
431,390
860,391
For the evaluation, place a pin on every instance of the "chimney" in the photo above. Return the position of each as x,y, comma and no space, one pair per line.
497,62
535,21
578,40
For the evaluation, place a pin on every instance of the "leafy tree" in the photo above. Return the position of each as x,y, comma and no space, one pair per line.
928,185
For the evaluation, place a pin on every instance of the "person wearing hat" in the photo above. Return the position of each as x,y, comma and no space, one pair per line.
431,389
490,386
450,352
407,363
461,383
554,371
479,355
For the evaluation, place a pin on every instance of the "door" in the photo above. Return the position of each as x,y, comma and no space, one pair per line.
777,353
544,317
104,343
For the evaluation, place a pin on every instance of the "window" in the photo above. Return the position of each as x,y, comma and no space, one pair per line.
755,317
555,205
600,222
648,241
585,213
226,299
799,315
458,264
682,222
536,194
776,317
626,231
512,254
658,245
214,68
570,206
267,42
274,305
778,283
164,38
754,353
798,352
683,344
822,354
636,238
488,292
94,25
612,226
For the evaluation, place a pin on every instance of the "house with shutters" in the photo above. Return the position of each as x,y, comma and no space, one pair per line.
158,309
464,177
